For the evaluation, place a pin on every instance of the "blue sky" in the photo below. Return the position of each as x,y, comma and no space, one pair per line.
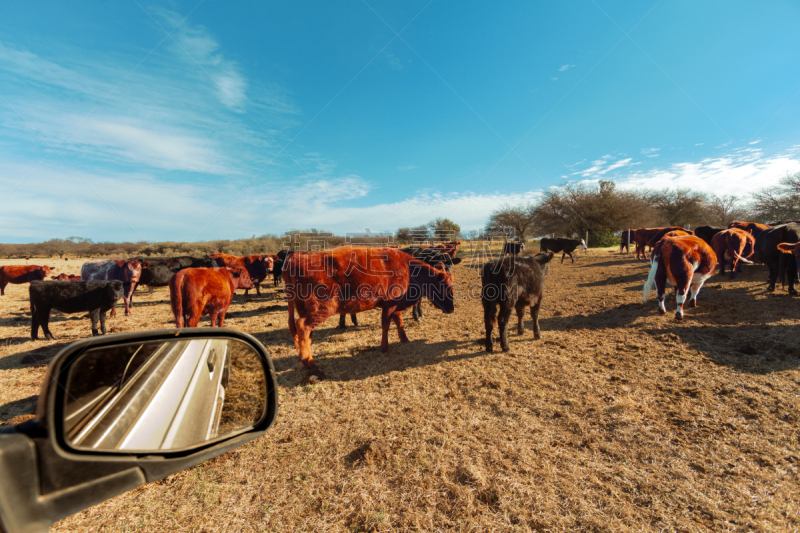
199,121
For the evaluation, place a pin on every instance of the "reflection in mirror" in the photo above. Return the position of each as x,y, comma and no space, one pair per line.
163,395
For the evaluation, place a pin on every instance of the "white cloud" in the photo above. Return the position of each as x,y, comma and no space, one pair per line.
407,167
755,142
698,144
646,151
555,78
566,67
393,61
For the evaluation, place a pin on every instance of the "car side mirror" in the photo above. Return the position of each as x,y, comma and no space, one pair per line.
118,411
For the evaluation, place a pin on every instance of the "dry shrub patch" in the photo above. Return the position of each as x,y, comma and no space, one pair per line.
618,420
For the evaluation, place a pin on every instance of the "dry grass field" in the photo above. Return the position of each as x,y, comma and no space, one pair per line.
619,419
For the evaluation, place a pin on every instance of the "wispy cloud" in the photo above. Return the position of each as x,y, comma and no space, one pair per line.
755,142
407,167
566,67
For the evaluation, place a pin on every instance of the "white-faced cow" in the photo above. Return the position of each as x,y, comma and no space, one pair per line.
565,246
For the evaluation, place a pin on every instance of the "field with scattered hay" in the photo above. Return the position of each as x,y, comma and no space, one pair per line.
619,419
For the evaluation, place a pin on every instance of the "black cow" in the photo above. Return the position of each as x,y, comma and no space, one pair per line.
512,248
512,283
96,297
707,233
161,269
277,268
766,251
565,246
626,239
430,256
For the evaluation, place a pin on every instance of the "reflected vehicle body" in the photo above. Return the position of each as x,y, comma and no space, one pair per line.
159,395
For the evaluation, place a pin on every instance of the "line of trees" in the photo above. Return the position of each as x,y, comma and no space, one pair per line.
572,210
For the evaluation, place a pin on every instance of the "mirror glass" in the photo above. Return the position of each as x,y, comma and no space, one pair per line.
163,395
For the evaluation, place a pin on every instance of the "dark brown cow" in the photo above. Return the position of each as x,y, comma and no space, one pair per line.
128,271
791,248
66,277
733,245
194,292
354,279
257,266
753,227
686,262
18,274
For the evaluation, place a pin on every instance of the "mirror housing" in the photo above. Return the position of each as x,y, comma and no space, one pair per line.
45,479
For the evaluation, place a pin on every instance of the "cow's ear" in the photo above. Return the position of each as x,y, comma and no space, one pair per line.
120,262
439,266
146,264
456,260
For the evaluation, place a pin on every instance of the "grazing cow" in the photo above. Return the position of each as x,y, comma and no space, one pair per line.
686,262
194,292
66,277
753,227
258,266
707,232
644,237
512,283
565,246
766,251
512,248
19,274
160,270
96,297
628,237
128,271
672,232
433,257
354,279
733,245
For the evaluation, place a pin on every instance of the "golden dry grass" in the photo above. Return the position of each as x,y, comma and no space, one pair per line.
619,419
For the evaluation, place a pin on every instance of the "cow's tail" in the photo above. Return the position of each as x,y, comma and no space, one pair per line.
651,278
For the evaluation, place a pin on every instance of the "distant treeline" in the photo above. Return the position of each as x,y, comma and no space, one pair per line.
572,210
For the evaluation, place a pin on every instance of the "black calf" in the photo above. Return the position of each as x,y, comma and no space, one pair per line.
565,246
96,297
512,283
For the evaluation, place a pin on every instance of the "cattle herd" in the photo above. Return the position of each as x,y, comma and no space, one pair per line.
351,279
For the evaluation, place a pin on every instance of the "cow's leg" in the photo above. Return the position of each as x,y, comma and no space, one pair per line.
34,324
3,288
150,289
791,273
213,317
571,257
386,320
94,315
103,322
683,282
502,323
354,319
222,317
419,309
397,318
535,316
489,320
114,310
45,320
258,287
697,283
520,315
416,311
563,254
342,323
773,273
661,288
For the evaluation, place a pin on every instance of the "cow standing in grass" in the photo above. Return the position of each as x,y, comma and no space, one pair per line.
194,292
257,266
686,262
766,251
128,271
753,227
512,282
565,246
354,279
96,297
18,274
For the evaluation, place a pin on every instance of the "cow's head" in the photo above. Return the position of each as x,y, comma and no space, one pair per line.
583,243
270,262
241,278
440,292
115,290
131,269
793,249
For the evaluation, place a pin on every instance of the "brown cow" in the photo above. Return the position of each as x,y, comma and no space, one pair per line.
66,277
643,236
128,271
753,227
685,261
732,245
19,274
194,292
257,266
354,279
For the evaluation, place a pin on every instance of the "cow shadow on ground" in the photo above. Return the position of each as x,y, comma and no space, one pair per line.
613,317
256,312
366,362
18,409
630,278
752,349
616,262
32,358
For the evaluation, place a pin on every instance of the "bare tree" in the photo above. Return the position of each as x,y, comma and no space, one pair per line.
722,210
778,203
519,218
